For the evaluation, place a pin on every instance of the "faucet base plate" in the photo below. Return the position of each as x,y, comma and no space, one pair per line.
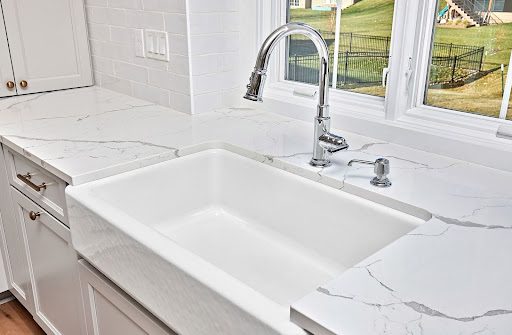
320,162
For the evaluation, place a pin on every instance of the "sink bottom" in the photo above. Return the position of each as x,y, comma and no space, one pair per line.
266,261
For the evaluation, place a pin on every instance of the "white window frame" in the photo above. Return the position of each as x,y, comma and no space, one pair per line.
400,117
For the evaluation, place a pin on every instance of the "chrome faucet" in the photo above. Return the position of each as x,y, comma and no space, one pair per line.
325,143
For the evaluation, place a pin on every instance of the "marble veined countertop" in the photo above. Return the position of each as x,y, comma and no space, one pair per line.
452,275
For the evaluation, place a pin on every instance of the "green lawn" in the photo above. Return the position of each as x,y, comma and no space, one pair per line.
374,17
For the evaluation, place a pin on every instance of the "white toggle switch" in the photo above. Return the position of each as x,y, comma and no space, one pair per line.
157,45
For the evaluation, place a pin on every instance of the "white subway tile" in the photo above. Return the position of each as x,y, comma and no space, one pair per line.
101,3
97,14
205,103
181,102
116,84
170,81
206,64
116,17
214,43
178,44
169,6
103,65
143,19
126,4
176,23
131,72
152,94
231,21
98,32
208,6
179,64
121,35
205,23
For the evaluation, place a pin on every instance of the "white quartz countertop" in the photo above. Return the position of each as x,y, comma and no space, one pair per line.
452,275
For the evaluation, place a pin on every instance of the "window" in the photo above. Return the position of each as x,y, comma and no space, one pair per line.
294,3
470,56
358,34
442,61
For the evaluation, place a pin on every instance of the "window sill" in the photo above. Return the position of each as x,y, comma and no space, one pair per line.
458,135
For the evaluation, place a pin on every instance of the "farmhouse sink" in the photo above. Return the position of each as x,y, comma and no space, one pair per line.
217,243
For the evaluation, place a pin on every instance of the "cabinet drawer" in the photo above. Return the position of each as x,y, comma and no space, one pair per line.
42,187
108,310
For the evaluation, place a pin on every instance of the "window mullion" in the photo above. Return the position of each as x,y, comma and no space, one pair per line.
336,45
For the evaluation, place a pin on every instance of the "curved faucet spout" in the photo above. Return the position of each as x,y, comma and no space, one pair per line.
257,81
325,143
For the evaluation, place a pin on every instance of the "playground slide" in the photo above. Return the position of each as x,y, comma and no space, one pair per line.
443,11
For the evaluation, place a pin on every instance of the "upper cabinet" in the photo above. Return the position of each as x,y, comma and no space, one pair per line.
48,46
7,85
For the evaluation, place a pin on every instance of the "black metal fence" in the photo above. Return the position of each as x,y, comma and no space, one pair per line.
452,62
363,58
354,68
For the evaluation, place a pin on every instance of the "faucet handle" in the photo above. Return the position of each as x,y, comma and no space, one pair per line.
332,143
381,169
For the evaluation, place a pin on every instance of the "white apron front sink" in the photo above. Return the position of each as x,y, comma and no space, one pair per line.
216,243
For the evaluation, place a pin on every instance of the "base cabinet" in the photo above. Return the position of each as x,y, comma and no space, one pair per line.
14,251
52,267
108,310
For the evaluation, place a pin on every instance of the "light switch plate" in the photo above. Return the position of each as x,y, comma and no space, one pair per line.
138,38
157,44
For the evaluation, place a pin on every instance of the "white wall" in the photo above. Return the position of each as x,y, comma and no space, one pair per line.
205,41
112,25
215,42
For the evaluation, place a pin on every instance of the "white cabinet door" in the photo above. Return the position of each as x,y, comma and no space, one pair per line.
6,75
14,251
53,269
48,44
109,311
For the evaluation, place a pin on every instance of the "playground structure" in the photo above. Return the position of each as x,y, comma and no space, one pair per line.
475,13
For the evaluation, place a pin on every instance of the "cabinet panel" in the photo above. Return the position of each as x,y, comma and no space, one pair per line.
110,311
53,269
48,43
15,255
6,74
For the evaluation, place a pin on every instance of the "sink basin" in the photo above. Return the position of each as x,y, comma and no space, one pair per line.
225,239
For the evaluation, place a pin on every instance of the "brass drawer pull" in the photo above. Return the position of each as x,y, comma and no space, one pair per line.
10,85
26,179
34,215
24,84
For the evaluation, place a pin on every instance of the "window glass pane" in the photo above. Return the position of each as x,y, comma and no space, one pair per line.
363,43
470,56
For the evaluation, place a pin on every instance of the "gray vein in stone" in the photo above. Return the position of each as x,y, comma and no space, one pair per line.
366,146
430,235
414,305
469,224
33,98
144,143
353,298
475,211
421,165
420,308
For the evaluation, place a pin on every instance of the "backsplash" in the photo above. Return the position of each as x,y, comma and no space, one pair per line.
204,45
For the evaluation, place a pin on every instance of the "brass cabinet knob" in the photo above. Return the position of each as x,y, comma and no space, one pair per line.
10,85
34,215
23,84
